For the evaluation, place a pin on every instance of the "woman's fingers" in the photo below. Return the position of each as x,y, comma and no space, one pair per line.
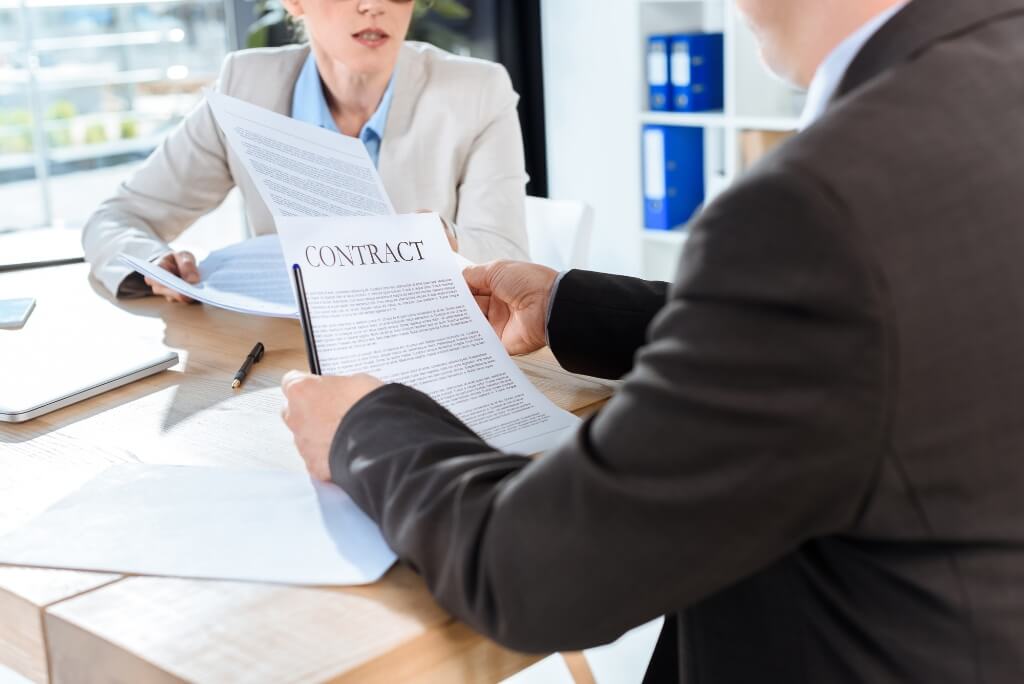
167,293
186,264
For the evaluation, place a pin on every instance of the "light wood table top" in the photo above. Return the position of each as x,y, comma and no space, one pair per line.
64,626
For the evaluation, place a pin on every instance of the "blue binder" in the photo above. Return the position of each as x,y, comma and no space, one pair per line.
697,72
658,77
673,175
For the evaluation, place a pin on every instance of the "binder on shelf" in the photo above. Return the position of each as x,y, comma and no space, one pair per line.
658,78
697,72
673,175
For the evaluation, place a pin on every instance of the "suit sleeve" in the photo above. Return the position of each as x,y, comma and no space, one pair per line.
491,216
184,178
599,321
751,422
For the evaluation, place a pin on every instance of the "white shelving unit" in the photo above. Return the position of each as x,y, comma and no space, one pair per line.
754,100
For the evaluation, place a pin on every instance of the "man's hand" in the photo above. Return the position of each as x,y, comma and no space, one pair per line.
514,295
181,264
313,408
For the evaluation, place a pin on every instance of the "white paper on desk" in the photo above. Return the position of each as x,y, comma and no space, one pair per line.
301,169
407,316
253,525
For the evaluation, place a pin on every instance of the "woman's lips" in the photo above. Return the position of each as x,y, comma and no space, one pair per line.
371,38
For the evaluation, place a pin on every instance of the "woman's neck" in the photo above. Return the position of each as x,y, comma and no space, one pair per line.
352,98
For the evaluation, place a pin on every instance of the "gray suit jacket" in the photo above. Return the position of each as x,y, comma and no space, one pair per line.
452,144
816,460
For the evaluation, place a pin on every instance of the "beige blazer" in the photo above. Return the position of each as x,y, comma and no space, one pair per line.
452,144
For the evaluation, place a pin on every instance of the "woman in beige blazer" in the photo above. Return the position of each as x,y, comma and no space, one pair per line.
444,130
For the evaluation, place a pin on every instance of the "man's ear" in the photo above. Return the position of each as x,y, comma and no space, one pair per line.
293,7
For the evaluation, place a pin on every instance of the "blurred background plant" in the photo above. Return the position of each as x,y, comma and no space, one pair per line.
58,128
434,21
15,131
61,110
61,129
95,133
129,129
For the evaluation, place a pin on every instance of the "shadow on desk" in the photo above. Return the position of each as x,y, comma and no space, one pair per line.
15,433
212,344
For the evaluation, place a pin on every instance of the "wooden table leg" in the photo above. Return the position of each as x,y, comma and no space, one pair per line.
25,594
579,667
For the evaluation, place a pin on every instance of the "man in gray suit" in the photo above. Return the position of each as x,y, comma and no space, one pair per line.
815,464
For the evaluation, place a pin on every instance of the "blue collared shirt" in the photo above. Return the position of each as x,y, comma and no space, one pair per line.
310,105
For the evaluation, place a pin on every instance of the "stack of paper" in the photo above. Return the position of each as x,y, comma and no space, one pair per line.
249,278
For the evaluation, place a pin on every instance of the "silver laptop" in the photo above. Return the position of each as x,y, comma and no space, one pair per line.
32,387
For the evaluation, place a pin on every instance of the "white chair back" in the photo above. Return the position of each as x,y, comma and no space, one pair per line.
559,232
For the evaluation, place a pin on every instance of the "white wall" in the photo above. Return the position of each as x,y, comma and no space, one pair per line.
592,91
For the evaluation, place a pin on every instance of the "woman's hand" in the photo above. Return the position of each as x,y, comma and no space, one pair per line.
181,264
449,230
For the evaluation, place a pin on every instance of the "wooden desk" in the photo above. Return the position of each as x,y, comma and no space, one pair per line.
85,627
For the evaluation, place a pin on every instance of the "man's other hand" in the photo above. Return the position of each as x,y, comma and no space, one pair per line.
314,406
181,264
514,295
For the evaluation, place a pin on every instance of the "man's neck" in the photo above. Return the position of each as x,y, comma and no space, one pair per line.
829,75
831,25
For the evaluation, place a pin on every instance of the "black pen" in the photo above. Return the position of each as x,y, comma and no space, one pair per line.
254,356
305,321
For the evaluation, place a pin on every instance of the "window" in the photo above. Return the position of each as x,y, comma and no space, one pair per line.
87,90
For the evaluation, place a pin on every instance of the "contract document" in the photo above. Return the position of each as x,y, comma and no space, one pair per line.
386,297
300,169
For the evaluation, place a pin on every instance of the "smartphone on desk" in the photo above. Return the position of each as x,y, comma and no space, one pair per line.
14,312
